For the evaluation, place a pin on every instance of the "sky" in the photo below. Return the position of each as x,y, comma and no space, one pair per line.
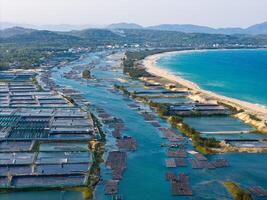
214,13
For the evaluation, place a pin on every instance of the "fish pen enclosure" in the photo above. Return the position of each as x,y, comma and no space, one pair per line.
14,146
30,128
44,138
47,181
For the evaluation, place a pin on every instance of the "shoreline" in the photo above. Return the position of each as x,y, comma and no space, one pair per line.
256,110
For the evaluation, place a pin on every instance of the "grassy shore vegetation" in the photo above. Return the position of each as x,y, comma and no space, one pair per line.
35,82
161,109
98,128
231,108
254,117
203,145
97,148
136,71
122,88
70,99
236,191
30,56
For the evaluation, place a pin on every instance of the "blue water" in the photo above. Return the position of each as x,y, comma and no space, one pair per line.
144,177
241,74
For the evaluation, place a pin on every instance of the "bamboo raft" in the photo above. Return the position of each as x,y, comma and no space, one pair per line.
201,164
127,143
181,187
171,135
170,176
198,164
111,187
176,153
170,163
200,157
147,116
220,163
116,161
258,191
180,162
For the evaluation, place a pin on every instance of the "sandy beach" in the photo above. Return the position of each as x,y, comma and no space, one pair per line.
151,66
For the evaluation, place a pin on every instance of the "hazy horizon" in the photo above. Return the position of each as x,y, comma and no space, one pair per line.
219,14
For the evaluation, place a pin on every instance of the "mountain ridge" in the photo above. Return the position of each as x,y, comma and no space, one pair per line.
255,29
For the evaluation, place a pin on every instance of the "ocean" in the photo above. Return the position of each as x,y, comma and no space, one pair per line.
241,74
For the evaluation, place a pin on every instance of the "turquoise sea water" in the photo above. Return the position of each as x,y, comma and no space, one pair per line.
144,177
241,74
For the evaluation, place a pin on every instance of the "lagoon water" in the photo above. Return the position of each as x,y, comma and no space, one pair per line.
241,74
144,177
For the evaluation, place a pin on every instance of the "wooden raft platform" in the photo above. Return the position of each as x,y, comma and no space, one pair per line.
258,191
220,163
198,164
170,176
200,157
176,153
111,187
148,116
201,164
116,161
175,162
181,187
127,143
170,163
171,135
180,162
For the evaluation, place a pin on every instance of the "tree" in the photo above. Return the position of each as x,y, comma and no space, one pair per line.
86,74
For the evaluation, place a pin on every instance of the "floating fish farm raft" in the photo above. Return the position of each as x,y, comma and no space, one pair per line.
43,136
